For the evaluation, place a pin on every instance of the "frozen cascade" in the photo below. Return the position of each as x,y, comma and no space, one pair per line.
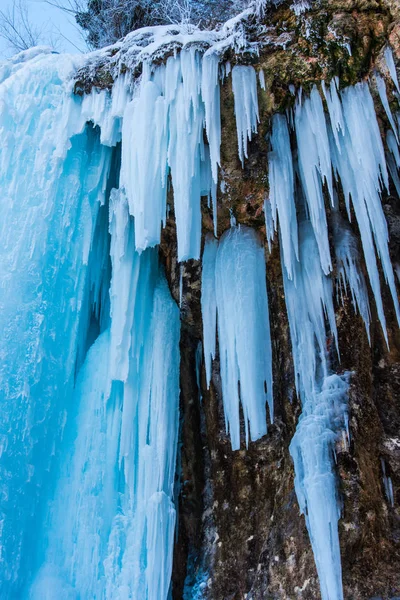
243,329
45,261
90,389
104,525
109,517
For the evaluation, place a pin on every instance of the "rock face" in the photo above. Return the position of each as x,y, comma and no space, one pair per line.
240,533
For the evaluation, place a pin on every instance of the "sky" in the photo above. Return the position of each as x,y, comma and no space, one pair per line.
59,28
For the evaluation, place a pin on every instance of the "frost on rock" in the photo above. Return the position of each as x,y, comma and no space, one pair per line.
243,329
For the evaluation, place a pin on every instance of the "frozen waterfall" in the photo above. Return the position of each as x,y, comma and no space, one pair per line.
90,349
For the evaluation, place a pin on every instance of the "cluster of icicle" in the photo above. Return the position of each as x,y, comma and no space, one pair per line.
90,351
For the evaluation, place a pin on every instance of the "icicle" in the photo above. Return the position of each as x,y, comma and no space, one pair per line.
380,83
392,67
334,107
261,77
349,269
359,161
243,332
185,153
281,183
387,484
209,303
211,98
269,223
393,160
180,285
244,84
315,167
144,163
308,300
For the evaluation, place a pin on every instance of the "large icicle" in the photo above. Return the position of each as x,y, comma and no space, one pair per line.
243,332
244,84
209,303
359,160
281,184
315,167
144,162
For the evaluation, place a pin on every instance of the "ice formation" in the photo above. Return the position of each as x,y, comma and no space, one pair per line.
234,285
89,308
281,182
244,84
89,374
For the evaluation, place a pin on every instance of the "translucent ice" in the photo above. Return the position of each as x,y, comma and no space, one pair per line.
244,84
243,332
281,184
209,303
315,167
